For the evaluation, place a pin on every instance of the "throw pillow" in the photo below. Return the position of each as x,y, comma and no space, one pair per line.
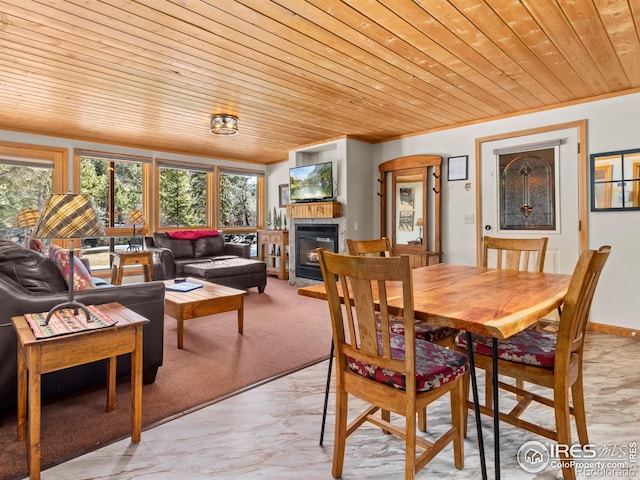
81,277
34,244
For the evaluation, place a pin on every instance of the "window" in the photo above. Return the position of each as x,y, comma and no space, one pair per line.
183,200
115,188
116,184
240,199
28,174
24,184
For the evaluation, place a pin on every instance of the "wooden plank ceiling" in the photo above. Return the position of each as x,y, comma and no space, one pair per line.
149,73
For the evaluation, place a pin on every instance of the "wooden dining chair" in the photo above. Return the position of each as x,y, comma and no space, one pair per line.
381,247
392,372
445,336
550,360
377,247
526,254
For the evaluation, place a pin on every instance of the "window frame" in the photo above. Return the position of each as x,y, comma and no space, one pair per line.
210,182
124,231
260,198
27,153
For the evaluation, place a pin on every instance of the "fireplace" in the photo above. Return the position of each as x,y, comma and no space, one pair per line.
308,238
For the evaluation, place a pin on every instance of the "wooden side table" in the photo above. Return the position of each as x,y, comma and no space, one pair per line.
120,259
273,246
39,356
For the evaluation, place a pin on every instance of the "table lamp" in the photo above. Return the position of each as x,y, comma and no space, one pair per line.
66,216
419,224
27,218
135,217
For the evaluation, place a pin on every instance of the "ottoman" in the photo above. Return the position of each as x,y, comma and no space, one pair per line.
240,273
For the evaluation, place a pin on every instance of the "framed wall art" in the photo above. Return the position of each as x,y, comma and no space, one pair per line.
457,168
283,194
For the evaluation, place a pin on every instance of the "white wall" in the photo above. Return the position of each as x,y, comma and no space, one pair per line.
612,124
277,174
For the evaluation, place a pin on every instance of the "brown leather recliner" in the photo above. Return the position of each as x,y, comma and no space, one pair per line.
29,282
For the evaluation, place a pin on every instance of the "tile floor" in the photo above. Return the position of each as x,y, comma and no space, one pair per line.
271,433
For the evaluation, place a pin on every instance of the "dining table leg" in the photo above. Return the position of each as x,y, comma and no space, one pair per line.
476,405
496,411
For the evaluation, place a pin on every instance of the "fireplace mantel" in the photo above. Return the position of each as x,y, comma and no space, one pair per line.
313,210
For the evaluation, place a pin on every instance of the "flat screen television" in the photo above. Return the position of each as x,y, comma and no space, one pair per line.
311,183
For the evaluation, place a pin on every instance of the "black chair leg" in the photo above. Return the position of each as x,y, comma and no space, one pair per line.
326,395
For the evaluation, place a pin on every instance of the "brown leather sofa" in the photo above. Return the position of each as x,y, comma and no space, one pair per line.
209,258
30,282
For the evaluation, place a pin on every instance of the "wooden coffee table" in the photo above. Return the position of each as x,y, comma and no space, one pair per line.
211,298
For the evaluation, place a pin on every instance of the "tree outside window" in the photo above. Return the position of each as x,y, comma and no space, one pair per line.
115,188
21,186
183,197
238,200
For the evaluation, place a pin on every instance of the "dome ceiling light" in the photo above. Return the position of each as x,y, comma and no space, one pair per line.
224,124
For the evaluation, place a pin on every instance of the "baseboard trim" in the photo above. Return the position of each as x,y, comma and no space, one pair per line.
612,330
551,325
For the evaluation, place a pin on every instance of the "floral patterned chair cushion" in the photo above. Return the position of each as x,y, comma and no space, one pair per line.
81,277
435,365
531,347
424,331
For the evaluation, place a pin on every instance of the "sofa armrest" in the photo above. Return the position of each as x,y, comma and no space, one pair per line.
164,264
242,250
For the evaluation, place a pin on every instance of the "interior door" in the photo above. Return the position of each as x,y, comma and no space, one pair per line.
563,230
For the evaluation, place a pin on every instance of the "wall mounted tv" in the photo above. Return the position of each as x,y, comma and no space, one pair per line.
311,183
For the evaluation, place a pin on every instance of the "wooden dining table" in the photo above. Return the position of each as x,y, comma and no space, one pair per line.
488,301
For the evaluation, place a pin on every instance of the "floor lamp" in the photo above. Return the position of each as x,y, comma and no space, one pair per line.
67,216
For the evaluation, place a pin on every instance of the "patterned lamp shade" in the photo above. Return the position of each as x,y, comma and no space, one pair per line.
68,215
135,217
27,217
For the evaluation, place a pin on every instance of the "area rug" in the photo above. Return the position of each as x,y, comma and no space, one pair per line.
283,332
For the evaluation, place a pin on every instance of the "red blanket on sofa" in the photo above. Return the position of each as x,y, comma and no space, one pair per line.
193,234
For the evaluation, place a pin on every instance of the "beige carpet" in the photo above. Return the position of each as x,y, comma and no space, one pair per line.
282,332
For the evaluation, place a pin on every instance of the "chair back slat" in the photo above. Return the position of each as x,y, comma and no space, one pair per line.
577,302
526,254
379,247
367,281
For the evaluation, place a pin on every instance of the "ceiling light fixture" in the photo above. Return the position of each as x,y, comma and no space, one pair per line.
224,124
